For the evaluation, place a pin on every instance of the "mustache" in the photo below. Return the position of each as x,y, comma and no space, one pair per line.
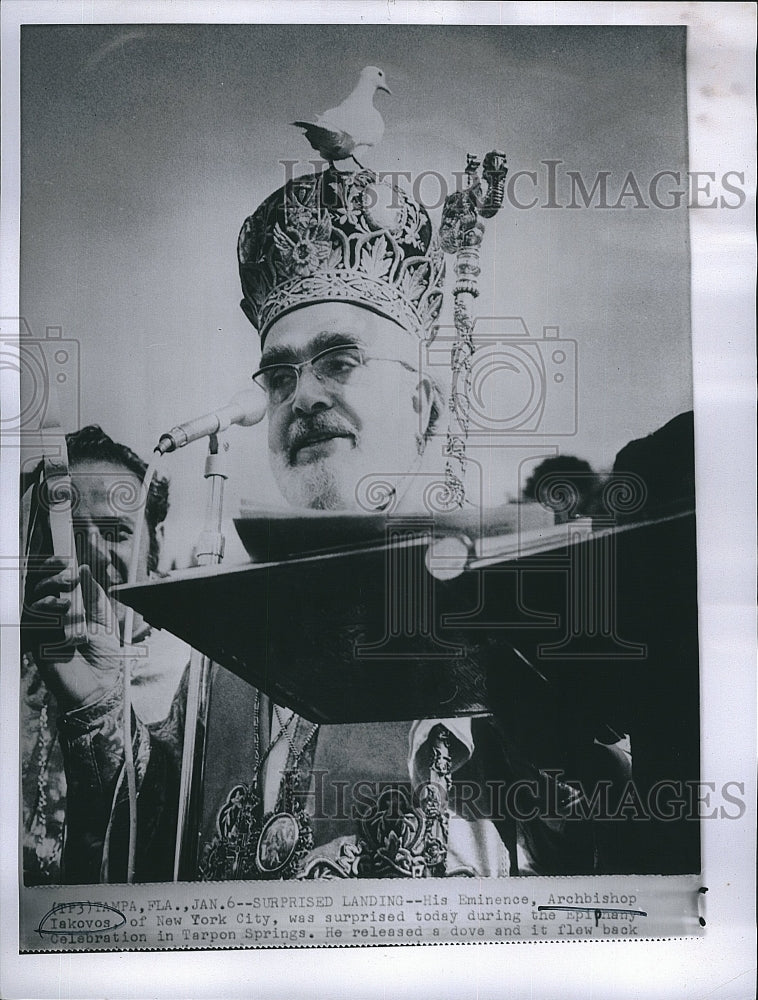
303,430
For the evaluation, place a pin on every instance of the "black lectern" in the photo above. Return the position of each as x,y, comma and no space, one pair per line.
566,635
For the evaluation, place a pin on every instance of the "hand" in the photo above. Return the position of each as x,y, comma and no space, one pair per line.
80,675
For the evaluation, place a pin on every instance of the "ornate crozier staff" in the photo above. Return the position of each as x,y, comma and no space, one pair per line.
461,233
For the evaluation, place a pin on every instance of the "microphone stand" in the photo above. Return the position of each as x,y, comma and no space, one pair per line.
209,552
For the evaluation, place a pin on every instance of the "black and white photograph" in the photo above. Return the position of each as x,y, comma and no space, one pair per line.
364,592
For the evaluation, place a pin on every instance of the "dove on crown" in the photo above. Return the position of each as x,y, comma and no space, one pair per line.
341,236
354,124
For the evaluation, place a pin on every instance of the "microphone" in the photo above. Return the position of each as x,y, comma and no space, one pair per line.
248,407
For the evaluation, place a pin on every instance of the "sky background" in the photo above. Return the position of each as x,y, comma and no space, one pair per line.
145,147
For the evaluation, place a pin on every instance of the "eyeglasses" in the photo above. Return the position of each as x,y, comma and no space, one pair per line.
335,366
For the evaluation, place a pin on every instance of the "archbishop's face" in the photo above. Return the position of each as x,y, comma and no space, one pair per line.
345,419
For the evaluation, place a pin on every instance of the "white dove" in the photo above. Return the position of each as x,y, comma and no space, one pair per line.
355,123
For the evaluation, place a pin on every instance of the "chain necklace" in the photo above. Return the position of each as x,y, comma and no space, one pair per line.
294,754
252,844
283,729
293,779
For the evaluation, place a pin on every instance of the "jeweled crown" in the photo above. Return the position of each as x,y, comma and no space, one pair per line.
347,237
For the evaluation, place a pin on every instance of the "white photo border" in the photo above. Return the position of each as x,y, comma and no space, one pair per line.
721,47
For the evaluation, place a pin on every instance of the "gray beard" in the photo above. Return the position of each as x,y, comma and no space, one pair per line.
313,486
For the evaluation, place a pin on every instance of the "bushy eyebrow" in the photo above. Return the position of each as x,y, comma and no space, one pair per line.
104,523
326,338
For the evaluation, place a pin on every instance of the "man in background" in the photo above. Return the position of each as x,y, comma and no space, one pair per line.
106,482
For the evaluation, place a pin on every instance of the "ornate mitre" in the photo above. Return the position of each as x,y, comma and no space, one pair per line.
341,237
